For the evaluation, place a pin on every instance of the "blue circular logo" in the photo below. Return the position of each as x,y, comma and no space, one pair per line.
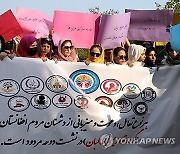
84,81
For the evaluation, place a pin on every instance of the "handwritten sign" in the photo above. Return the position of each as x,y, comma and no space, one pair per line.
9,27
34,22
175,37
81,28
150,25
176,19
43,111
113,30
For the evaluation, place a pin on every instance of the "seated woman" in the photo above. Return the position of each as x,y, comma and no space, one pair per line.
6,49
136,55
66,51
173,57
119,55
45,51
95,55
27,47
151,57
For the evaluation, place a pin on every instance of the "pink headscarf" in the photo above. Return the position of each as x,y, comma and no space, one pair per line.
61,56
24,45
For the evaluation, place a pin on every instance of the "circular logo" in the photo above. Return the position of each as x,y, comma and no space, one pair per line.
18,103
140,108
40,101
104,100
131,91
84,80
56,83
110,86
148,94
9,87
122,105
81,101
32,85
62,100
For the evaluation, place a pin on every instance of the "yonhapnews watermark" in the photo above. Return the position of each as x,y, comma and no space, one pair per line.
107,140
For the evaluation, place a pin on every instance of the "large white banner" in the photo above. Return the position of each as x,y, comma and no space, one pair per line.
69,108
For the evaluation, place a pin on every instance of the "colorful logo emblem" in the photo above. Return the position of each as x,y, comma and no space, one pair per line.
56,83
18,103
140,108
148,94
110,86
131,91
81,101
123,105
32,85
40,101
9,87
104,100
84,80
62,100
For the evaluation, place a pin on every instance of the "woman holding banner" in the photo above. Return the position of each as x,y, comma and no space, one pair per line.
6,49
119,55
28,47
136,55
95,55
66,51
45,49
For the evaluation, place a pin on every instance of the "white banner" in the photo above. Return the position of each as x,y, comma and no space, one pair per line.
73,108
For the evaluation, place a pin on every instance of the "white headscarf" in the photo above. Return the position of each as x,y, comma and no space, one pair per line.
134,52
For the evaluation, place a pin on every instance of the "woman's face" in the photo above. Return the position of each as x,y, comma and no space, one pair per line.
120,58
32,49
142,57
95,54
152,56
45,48
67,49
172,53
108,55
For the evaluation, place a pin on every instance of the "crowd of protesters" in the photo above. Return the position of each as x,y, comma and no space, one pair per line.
126,54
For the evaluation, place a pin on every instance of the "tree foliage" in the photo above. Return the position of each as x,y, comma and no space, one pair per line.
96,10
171,4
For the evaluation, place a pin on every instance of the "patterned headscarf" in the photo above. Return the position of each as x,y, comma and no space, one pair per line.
61,57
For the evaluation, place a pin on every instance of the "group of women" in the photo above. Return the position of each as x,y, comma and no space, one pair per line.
44,48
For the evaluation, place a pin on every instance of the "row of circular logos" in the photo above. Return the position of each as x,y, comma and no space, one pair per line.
42,101
32,85
83,80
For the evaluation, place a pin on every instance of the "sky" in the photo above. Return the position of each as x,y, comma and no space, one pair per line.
48,6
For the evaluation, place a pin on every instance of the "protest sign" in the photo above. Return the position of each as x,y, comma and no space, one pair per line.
81,28
34,22
175,37
176,19
150,25
113,30
9,27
